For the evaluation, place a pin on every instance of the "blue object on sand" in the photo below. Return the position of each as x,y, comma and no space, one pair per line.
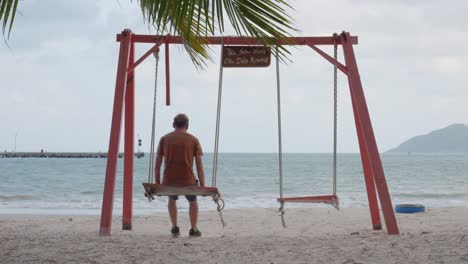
409,208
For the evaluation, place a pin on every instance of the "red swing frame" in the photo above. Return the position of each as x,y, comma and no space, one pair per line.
374,176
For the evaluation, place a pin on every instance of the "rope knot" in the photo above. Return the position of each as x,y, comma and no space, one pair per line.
156,54
282,212
219,207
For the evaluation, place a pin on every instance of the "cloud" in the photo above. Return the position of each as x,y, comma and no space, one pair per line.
448,64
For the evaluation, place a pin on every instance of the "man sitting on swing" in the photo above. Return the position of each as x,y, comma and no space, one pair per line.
178,149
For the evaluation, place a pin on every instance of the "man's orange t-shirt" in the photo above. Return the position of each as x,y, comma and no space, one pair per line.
178,149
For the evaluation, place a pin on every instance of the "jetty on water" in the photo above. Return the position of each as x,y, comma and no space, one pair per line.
72,155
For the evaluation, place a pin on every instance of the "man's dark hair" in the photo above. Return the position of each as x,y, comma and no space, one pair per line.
181,121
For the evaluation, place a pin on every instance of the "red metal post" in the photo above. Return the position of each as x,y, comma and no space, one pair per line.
368,174
129,143
168,79
113,154
368,137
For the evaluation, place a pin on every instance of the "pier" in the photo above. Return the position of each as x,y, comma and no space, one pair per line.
69,155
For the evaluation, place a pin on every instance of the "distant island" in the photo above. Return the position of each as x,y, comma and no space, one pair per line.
451,139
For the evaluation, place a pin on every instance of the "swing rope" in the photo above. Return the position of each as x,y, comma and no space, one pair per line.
151,175
335,108
216,198
280,143
218,119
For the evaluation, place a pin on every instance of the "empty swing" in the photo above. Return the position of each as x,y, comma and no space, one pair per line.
326,199
153,188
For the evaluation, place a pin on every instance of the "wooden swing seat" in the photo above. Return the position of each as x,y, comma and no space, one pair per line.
165,190
326,199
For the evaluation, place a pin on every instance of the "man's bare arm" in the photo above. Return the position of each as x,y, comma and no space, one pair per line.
200,170
157,168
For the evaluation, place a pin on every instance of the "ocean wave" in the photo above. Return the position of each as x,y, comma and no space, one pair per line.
92,192
431,195
16,197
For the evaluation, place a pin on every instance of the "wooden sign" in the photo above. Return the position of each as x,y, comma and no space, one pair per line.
246,56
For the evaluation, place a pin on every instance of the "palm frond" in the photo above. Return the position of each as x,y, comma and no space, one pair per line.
193,20
7,15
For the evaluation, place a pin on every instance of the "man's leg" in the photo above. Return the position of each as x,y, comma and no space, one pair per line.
193,213
172,208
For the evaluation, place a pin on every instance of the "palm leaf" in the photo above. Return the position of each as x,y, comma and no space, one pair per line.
7,15
193,20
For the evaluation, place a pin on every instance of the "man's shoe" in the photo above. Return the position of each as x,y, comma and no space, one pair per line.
175,231
195,233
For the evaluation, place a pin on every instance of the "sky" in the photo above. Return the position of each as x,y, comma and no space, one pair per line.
58,78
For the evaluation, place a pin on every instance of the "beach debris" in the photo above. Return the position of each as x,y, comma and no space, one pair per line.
462,238
425,232
354,233
70,219
351,261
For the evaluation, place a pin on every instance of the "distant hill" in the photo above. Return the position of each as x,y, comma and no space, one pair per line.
451,139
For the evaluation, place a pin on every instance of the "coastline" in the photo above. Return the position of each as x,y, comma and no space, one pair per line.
315,235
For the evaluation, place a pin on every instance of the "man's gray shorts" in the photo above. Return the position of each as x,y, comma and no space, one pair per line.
190,198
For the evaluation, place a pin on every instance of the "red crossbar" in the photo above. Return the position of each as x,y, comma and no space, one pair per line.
238,40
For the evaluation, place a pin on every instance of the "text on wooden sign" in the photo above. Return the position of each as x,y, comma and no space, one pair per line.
246,56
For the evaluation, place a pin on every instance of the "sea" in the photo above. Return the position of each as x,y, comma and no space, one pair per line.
74,186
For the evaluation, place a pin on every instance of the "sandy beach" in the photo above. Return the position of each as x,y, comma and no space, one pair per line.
252,236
